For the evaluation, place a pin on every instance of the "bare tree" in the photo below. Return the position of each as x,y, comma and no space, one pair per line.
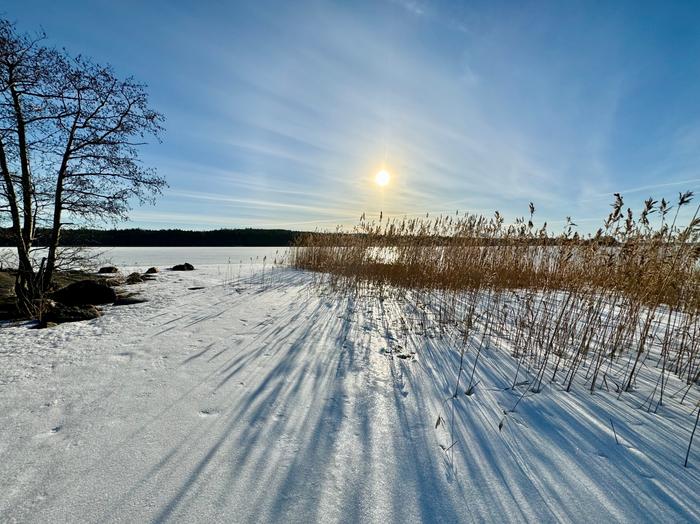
70,131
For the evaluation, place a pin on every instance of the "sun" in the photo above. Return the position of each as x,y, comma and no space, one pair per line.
382,178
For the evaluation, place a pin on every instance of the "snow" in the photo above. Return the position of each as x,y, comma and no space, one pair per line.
260,398
161,256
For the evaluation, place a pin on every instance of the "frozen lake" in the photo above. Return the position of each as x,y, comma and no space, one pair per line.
167,256
253,400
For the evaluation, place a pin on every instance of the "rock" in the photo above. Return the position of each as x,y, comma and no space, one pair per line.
129,300
152,270
183,267
108,269
8,309
60,313
134,278
85,292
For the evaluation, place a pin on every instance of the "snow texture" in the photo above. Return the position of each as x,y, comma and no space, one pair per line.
261,399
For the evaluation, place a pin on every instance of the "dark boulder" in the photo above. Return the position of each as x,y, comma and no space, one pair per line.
151,270
85,292
129,300
108,269
134,278
114,282
8,309
59,313
183,267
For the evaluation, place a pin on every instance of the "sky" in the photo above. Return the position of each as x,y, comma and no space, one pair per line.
279,114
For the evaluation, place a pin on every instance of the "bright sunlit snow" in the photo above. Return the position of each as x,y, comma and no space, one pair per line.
258,399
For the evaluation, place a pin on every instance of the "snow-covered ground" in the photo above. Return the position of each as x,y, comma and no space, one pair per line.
260,399
161,256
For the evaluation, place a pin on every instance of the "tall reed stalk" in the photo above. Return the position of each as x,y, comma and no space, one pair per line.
562,303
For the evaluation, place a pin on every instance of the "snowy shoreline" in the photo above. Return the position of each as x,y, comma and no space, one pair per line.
258,398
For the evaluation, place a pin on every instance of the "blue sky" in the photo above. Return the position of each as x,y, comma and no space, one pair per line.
280,113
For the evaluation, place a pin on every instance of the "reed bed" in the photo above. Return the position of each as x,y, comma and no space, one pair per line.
571,309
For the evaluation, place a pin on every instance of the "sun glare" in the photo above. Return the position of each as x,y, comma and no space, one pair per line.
382,178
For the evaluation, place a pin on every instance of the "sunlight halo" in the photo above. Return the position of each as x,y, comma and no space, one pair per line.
382,178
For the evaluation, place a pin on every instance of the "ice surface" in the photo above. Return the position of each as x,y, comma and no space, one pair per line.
260,399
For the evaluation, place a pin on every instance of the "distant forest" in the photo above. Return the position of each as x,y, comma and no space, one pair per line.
163,237
237,237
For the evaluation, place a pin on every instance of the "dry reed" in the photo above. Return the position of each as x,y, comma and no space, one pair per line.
566,306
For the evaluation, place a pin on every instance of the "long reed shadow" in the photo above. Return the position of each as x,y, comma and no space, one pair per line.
307,416
317,416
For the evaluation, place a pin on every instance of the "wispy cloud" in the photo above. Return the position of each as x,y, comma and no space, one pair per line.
282,114
412,6
684,184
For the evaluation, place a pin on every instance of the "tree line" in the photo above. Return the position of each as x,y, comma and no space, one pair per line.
160,238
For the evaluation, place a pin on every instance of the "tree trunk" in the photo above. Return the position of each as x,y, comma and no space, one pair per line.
27,284
47,275
57,210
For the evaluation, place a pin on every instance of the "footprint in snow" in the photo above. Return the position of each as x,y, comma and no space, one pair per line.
50,433
641,463
123,357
